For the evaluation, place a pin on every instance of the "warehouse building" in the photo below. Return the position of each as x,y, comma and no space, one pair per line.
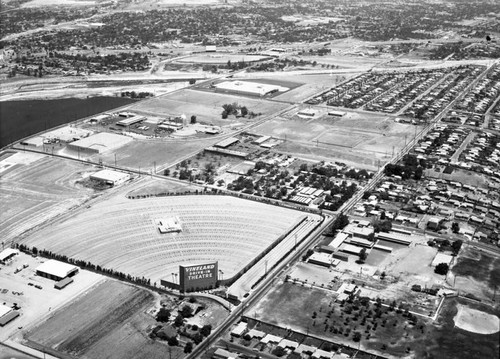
109,177
249,88
129,121
56,270
99,143
227,142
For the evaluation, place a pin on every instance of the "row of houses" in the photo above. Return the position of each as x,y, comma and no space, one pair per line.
242,329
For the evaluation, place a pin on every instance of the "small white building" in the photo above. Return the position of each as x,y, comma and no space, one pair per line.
110,177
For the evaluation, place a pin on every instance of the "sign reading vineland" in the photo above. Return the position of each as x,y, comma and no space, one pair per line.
198,277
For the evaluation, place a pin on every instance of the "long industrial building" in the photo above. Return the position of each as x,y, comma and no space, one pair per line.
250,88
99,143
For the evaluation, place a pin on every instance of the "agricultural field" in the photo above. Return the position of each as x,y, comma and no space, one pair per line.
35,188
116,328
121,233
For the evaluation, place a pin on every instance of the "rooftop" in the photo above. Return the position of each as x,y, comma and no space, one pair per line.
56,268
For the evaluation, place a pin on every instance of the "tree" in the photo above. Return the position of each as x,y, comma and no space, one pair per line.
197,338
163,315
382,226
192,81
193,119
456,246
363,255
206,330
455,227
356,337
186,311
172,341
418,174
166,172
224,114
188,348
340,222
244,111
179,320
279,352
441,268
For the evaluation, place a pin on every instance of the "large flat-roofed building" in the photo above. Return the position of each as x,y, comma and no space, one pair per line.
321,259
249,88
99,143
56,270
129,121
110,177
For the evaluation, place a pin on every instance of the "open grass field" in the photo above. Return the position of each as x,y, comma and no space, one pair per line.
37,188
115,328
459,175
477,273
357,138
206,106
120,233
329,153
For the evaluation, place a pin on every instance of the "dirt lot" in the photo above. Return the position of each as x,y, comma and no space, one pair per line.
36,304
36,189
142,154
116,328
